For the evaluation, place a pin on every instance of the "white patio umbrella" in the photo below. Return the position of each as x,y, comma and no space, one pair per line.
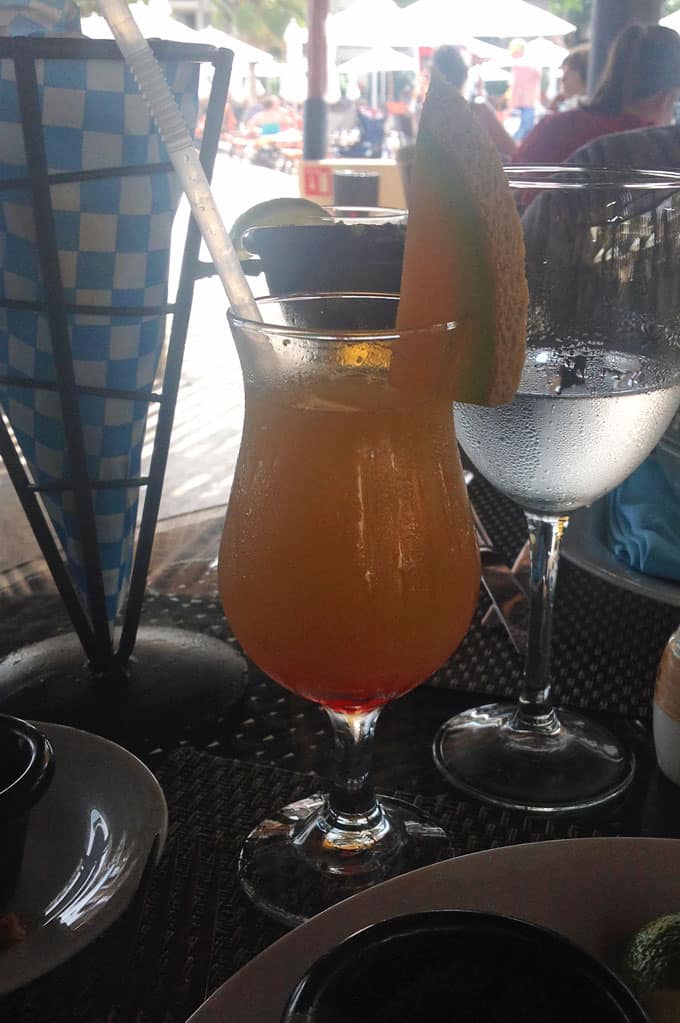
432,22
293,84
246,59
545,53
369,23
269,68
243,52
96,27
379,58
333,92
672,21
492,72
485,51
154,20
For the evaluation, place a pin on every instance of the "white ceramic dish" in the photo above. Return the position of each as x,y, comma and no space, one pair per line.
87,845
584,545
596,891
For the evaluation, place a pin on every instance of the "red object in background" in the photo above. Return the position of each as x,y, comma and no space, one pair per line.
559,135
317,182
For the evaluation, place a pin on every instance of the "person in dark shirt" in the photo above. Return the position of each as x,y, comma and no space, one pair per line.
450,61
638,87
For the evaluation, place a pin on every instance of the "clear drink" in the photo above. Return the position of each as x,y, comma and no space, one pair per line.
577,428
601,384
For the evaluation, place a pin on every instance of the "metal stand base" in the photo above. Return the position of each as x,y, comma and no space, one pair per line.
175,677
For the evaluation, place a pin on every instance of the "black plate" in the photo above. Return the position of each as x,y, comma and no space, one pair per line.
462,967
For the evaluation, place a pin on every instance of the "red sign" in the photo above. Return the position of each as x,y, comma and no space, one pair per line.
317,182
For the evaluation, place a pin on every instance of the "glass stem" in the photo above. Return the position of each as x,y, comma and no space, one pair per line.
535,710
352,802
352,833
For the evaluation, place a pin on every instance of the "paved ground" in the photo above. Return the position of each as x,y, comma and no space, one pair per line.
209,411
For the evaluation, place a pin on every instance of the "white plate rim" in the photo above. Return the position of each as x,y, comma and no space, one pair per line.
520,880
583,546
18,964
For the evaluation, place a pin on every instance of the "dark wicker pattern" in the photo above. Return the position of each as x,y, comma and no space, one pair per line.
221,776
211,796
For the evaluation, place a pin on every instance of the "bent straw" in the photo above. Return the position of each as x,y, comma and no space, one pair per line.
183,155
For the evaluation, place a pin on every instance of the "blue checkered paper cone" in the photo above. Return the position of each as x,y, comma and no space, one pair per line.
114,239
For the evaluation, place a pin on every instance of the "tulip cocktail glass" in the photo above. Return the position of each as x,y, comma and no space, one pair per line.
348,572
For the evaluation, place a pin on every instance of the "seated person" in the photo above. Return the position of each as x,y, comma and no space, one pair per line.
270,120
574,80
639,87
449,60
653,148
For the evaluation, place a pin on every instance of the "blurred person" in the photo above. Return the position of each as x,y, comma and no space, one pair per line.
450,61
291,116
574,79
525,88
639,87
271,119
342,115
401,115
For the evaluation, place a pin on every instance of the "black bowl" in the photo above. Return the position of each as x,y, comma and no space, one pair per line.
318,258
26,769
464,966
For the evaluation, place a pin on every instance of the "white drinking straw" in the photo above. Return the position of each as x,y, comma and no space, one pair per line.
183,155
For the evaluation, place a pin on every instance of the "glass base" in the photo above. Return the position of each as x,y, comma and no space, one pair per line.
571,766
289,871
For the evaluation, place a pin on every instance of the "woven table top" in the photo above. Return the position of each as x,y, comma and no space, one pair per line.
221,775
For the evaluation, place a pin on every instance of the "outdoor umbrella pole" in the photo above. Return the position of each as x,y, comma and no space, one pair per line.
315,131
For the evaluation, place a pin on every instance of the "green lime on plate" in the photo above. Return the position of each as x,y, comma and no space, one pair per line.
652,966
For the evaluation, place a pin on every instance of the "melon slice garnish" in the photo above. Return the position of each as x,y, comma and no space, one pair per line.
463,260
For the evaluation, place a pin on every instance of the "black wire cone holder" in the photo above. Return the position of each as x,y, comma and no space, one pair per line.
86,678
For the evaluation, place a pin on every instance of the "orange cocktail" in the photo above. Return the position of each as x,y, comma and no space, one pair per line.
348,568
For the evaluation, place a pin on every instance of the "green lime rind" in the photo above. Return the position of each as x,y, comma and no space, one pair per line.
275,213
652,958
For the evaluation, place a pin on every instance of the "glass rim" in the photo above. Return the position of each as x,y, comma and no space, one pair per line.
322,334
391,210
527,176
366,214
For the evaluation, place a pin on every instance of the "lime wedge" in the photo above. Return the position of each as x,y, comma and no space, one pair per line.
275,213
652,966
